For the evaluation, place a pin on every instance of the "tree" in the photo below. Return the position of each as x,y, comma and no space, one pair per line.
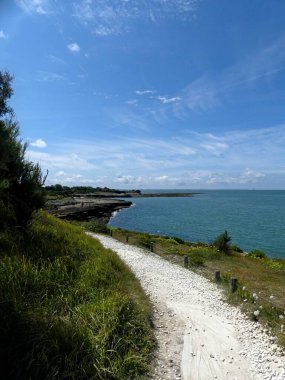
222,242
21,181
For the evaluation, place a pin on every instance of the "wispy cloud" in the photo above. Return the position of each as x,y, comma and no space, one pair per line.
47,76
208,91
34,6
70,161
232,159
132,102
107,17
145,92
74,47
39,143
57,60
166,99
3,35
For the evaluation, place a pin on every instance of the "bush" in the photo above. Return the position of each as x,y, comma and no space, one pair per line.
236,248
196,260
257,254
21,181
222,242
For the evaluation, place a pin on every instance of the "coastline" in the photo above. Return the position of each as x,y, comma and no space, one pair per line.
101,206
86,209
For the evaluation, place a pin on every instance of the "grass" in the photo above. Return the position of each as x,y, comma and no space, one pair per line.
69,309
260,280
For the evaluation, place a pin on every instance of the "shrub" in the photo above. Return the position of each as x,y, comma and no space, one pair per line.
257,254
21,181
196,260
222,242
236,248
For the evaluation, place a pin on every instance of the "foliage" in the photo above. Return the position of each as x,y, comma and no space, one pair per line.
20,180
59,190
257,254
195,259
69,309
236,248
209,253
222,242
95,226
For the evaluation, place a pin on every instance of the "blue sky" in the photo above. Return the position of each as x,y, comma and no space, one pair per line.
150,93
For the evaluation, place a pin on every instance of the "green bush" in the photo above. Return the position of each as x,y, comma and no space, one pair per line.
96,226
222,242
236,248
196,260
21,181
257,254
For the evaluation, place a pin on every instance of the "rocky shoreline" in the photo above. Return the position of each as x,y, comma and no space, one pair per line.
86,209
99,205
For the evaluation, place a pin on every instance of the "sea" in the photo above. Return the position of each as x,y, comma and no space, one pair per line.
255,219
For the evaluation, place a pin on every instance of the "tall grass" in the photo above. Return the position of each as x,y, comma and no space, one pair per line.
69,309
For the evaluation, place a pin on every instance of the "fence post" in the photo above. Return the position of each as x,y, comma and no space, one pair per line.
186,261
233,284
127,239
111,233
151,247
217,276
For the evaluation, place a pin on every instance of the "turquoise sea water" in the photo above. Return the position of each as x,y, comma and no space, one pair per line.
254,219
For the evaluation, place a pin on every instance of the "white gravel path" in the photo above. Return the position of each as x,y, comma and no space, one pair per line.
199,336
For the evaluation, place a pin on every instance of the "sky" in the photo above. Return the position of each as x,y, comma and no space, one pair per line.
150,94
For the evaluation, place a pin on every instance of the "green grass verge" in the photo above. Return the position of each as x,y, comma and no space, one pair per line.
69,309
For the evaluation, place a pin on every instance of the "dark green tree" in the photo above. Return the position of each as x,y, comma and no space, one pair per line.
222,242
21,181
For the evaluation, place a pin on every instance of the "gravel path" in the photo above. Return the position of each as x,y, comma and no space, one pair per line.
199,336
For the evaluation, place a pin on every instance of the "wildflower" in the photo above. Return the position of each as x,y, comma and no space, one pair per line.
256,313
281,316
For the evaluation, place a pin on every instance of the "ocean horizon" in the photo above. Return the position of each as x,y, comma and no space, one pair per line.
255,219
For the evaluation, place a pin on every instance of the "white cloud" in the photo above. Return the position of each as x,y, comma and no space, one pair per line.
47,76
3,35
145,92
34,6
60,161
234,159
57,60
216,148
39,143
108,17
74,47
132,102
165,99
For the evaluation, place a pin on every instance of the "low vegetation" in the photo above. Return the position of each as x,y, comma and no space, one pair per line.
69,309
60,192
260,291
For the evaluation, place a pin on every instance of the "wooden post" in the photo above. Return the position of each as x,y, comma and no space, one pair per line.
186,261
111,233
127,239
233,284
151,247
217,276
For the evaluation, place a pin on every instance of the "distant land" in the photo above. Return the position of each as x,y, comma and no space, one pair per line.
84,203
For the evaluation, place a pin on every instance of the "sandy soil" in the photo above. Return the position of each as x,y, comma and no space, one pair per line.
199,336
